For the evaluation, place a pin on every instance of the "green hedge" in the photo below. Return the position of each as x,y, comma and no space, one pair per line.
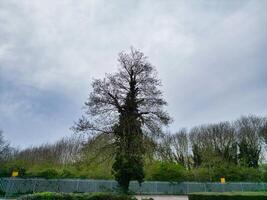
2,193
71,196
155,171
229,196
164,171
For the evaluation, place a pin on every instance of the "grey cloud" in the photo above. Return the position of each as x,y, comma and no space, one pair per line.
209,54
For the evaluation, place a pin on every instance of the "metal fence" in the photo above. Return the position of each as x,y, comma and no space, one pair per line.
12,186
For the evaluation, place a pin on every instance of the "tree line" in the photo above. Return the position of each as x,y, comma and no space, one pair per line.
240,142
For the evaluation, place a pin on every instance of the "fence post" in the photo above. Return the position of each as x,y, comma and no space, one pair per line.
95,186
34,185
77,185
110,185
241,187
262,184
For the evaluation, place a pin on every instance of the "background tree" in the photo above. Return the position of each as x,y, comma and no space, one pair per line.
164,149
216,141
129,105
181,148
263,131
174,148
249,130
5,149
65,151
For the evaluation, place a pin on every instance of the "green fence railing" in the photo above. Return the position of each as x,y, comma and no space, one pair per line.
13,186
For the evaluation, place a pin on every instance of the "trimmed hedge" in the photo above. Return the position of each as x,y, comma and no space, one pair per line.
73,196
229,196
2,193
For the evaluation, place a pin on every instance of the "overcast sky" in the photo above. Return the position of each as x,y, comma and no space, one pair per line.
210,54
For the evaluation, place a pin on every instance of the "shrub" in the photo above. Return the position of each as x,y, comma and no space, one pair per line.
67,174
2,193
48,173
237,173
6,169
263,170
109,196
229,196
232,173
200,174
45,196
163,171
85,196
3,172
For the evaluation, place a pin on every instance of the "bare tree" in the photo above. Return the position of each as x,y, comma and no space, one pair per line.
129,105
65,151
181,148
263,131
200,142
164,148
249,131
174,148
215,140
224,141
5,149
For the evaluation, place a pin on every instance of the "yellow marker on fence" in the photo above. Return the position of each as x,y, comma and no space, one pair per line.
15,173
222,180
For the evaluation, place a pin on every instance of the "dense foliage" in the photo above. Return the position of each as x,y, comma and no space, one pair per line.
229,196
155,171
69,196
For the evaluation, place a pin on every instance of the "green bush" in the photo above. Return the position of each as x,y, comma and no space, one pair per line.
109,196
233,173
66,174
163,171
3,172
48,173
237,173
154,170
229,196
45,196
2,193
200,174
6,169
70,196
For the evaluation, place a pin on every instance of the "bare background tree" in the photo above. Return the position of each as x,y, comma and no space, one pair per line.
6,152
249,130
65,151
175,148
181,148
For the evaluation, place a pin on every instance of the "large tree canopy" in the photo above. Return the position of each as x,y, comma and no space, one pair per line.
107,101
129,105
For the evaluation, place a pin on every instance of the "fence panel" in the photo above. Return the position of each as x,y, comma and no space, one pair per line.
20,186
